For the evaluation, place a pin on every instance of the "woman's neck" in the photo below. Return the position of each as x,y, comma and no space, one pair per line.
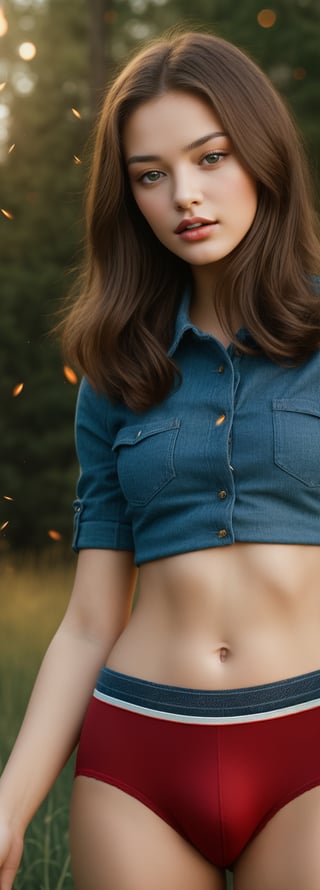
203,313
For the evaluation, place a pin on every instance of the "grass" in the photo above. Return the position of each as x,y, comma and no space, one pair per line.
33,596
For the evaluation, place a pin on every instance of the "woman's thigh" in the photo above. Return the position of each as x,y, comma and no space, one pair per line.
286,853
117,843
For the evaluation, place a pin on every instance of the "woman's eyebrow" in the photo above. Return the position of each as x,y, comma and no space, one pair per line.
137,159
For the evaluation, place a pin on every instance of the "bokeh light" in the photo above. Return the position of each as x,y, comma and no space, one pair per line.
22,81
27,51
266,18
3,23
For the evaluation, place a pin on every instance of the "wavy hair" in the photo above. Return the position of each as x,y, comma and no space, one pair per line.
120,324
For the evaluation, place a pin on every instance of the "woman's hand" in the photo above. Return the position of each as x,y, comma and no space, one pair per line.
11,849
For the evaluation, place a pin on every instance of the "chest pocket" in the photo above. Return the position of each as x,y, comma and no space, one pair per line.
296,426
145,459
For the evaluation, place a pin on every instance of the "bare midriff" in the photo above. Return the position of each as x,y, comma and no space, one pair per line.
242,615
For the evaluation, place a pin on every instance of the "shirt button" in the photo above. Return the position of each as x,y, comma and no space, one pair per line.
220,420
138,434
220,369
222,494
222,533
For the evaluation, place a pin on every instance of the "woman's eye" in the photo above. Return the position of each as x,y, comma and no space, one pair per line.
151,176
213,157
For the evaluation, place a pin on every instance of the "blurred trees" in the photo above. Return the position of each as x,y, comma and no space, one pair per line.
79,44
41,186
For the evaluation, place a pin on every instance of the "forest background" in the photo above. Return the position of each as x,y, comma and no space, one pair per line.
48,107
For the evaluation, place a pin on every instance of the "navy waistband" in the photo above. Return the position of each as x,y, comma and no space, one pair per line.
281,695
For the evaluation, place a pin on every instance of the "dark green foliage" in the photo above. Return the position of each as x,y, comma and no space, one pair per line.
42,186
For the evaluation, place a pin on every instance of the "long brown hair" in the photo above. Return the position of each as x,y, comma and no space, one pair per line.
119,327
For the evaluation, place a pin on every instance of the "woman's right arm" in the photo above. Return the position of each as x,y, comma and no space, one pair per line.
98,611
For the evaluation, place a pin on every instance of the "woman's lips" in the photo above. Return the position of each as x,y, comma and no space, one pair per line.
191,222
196,233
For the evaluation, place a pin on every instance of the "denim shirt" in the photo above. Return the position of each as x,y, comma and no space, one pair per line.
232,454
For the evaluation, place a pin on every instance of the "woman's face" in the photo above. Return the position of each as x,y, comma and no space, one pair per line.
186,179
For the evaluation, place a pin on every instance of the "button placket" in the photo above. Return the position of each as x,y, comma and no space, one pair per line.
222,471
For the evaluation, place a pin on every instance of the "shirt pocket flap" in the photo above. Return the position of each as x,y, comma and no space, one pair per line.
134,434
145,458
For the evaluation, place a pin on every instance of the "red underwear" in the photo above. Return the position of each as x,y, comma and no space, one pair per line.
215,765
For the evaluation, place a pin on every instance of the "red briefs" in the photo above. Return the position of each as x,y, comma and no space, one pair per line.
215,765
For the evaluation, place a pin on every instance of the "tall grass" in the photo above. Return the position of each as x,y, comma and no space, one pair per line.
33,596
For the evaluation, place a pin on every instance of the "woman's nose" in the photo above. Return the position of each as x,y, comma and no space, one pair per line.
186,192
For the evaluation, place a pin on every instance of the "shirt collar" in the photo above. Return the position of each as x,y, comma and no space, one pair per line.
184,324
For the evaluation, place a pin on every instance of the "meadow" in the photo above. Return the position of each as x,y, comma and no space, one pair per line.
33,597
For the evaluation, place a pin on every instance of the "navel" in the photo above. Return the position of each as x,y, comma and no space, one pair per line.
224,653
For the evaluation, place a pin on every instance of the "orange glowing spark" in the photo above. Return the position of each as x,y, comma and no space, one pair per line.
76,112
17,389
76,159
266,18
55,536
3,84
70,374
7,498
220,420
12,147
6,213
4,525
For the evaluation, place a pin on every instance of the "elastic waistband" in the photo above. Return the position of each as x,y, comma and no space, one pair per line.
249,703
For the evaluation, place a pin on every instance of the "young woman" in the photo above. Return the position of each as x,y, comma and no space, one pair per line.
198,434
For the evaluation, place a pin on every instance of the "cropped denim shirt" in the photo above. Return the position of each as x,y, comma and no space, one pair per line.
232,454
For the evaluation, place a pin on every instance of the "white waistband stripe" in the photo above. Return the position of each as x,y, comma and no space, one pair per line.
191,718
